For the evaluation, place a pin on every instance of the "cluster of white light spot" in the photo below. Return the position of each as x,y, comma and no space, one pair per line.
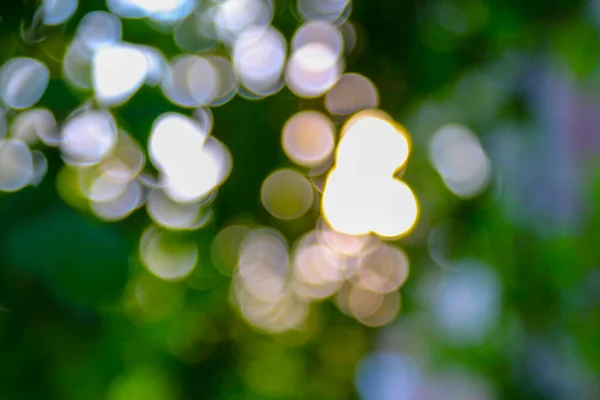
273,286
362,200
191,162
258,51
95,31
104,165
104,162
23,82
459,158
97,59
260,287
258,64
371,295
308,139
361,193
192,165
195,81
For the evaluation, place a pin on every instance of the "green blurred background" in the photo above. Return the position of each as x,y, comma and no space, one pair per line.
522,321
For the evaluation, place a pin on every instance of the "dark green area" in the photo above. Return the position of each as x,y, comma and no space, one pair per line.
69,330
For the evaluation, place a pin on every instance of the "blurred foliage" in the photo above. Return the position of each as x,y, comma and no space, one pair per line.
70,327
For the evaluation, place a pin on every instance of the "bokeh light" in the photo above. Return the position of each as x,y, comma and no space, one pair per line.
286,194
259,55
105,182
460,160
361,273
228,83
195,33
192,163
318,271
371,144
56,12
261,284
324,10
302,270
352,93
126,161
16,165
273,285
234,16
271,282
315,64
361,194
466,302
319,32
395,209
349,35
191,81
122,205
312,70
98,187
348,245
161,11
194,178
77,65
387,376
173,134
23,81
88,137
263,264
226,246
34,125
170,214
99,29
166,256
158,66
363,302
118,72
126,8
346,206
383,270
308,138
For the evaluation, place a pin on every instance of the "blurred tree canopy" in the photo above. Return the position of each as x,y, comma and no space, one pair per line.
82,318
